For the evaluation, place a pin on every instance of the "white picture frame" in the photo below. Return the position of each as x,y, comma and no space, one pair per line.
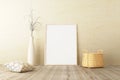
61,45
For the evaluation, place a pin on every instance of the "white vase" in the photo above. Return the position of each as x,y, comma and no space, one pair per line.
31,52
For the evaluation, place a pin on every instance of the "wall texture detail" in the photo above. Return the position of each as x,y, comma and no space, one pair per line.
98,26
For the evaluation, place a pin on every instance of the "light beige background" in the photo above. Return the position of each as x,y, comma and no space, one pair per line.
98,26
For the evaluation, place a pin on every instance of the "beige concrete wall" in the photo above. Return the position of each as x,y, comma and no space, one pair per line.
98,26
14,31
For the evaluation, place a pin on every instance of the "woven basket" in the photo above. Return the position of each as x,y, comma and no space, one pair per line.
94,59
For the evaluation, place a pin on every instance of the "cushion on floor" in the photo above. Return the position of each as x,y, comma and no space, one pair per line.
18,67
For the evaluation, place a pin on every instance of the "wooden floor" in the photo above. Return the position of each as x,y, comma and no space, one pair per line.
64,73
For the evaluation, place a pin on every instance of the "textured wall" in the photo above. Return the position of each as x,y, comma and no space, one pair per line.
98,26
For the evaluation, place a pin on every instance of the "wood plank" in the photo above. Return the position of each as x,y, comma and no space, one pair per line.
64,73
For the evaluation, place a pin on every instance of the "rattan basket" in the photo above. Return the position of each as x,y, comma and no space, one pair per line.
94,59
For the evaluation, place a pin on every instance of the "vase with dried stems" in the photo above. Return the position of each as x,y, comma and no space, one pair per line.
31,57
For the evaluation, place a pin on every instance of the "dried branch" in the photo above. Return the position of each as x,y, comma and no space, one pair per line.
33,22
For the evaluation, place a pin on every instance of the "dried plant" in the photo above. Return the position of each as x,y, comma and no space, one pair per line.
34,22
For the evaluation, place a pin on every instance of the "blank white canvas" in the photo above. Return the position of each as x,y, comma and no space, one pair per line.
61,45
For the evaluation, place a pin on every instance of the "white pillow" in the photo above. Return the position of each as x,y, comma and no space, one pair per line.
18,67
